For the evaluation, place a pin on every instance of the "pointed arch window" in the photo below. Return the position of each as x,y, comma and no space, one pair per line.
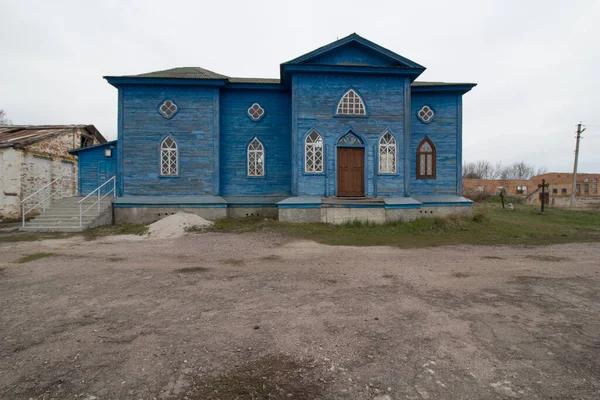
426,159
313,153
168,157
256,158
351,104
387,154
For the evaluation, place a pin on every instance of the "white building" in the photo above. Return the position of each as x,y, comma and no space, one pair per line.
33,156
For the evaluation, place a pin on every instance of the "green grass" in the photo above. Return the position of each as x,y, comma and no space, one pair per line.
30,236
489,225
108,230
33,257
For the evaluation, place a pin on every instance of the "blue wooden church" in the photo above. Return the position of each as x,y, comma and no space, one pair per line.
345,133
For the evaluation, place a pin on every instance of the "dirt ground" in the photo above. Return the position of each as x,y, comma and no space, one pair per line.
255,316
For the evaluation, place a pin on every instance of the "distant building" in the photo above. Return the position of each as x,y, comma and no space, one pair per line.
561,184
33,156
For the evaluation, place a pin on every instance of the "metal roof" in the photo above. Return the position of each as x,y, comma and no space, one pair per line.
24,135
431,84
180,73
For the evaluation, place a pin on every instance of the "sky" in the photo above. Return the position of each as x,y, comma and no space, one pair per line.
536,63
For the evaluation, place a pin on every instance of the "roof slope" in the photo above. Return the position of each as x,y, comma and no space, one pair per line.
24,135
181,73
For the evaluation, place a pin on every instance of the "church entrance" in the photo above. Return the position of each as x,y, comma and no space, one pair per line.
351,171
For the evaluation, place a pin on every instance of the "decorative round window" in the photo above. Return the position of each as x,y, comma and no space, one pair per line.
167,109
426,114
256,112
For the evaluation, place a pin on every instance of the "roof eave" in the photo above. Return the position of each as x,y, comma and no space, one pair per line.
446,87
118,81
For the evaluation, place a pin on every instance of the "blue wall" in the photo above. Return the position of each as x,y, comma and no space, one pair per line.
314,102
90,162
194,128
444,132
274,132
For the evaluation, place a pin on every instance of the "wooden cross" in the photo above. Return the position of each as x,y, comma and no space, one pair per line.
543,186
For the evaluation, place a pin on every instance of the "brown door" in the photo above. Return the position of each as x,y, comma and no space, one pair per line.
351,171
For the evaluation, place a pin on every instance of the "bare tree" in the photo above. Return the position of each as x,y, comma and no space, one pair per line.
3,119
483,169
541,171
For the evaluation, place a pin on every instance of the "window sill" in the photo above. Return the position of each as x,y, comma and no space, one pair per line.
168,176
314,173
350,116
388,174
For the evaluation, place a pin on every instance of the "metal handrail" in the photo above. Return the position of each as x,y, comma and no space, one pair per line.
113,179
23,212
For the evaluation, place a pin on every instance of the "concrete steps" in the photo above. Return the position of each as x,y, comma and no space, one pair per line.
63,216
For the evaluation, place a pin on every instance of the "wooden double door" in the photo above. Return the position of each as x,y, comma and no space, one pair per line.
351,171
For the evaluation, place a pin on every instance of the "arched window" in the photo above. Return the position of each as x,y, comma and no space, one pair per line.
426,159
168,157
351,104
256,158
313,153
387,154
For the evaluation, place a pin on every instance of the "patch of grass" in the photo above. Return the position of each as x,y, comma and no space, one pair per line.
546,258
191,270
460,275
271,377
33,257
195,229
492,258
115,259
490,225
271,257
238,225
233,261
30,236
109,230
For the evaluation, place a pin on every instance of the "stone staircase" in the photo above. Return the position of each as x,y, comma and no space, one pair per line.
63,216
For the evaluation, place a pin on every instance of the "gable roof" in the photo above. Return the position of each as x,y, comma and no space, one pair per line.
181,73
23,135
357,39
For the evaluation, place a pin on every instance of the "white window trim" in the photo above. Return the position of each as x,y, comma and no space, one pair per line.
255,151
393,146
355,105
169,171
313,144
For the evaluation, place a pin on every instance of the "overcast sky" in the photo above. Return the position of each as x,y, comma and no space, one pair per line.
537,63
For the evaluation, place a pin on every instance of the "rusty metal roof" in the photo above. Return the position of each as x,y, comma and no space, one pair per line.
24,135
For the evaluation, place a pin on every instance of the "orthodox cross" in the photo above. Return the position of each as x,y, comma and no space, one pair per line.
543,186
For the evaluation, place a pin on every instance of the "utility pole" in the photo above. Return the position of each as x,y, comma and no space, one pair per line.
579,132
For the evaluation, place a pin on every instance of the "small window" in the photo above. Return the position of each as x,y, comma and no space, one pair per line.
595,187
480,188
578,188
313,153
586,188
501,190
554,191
167,109
350,139
387,154
168,157
256,112
426,160
256,158
563,191
521,189
426,114
351,104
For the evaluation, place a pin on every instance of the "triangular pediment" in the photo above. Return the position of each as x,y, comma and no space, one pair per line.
354,50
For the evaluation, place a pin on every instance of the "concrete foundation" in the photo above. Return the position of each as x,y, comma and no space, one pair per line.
243,212
300,214
147,215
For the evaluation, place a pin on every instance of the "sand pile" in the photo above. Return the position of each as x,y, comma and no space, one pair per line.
174,225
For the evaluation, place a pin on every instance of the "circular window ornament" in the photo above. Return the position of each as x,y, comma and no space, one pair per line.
426,114
168,109
256,112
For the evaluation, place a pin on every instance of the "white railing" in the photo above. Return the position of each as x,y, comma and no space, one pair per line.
43,202
100,197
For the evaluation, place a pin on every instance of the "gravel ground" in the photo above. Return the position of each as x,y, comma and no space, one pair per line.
257,316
